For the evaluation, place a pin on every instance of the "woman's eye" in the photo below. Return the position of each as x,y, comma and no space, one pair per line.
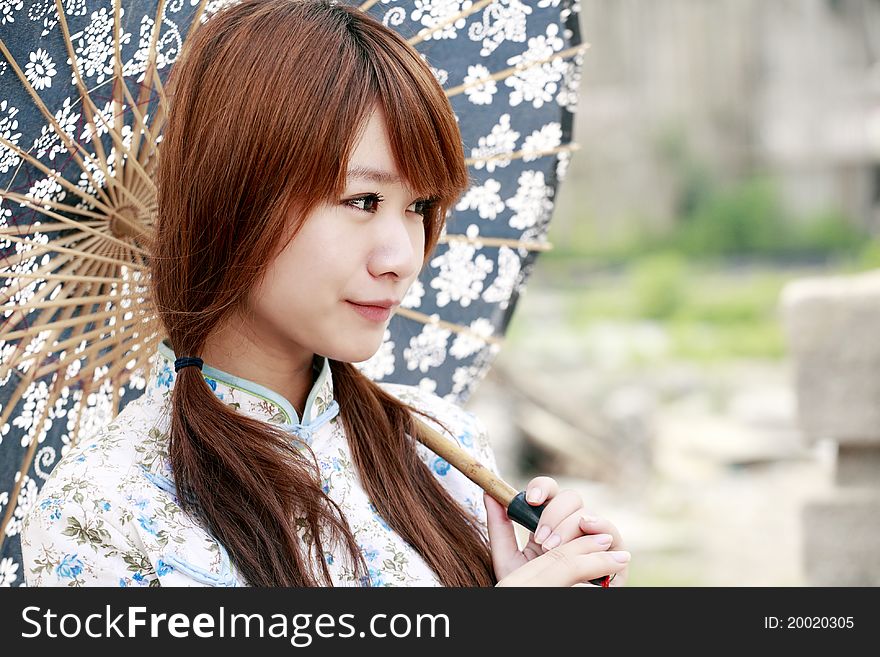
421,206
366,200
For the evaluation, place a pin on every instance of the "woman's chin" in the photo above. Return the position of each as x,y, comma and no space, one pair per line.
356,353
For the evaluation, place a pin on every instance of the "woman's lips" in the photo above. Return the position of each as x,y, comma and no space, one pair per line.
372,313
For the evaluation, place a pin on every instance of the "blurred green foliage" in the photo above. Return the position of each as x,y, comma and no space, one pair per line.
709,313
712,277
717,218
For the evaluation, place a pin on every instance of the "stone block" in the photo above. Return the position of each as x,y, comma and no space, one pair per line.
832,327
841,539
858,465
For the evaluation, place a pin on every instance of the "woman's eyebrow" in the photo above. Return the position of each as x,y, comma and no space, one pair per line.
373,175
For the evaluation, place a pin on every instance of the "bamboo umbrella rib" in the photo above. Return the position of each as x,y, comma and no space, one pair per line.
47,228
500,75
9,263
89,267
61,180
456,328
119,311
142,264
53,247
98,334
72,223
570,147
94,128
118,81
39,294
62,277
113,185
163,103
90,110
42,273
93,348
75,321
148,147
76,333
72,145
496,241
120,93
154,78
17,356
116,134
140,360
144,91
23,198
75,301
146,194
103,289
423,34
117,355
144,178
366,5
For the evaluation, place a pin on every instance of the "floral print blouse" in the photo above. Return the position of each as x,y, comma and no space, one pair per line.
108,515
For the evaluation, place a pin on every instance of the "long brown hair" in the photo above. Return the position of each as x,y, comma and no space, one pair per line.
266,103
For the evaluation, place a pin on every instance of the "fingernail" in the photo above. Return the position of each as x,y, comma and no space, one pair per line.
551,542
588,519
623,556
533,495
604,539
542,533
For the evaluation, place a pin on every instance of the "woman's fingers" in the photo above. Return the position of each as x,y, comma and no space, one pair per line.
575,562
502,538
570,528
558,509
594,525
540,489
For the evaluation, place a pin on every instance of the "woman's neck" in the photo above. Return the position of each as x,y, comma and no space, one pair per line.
262,358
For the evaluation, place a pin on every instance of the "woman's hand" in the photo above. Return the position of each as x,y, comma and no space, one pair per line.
594,541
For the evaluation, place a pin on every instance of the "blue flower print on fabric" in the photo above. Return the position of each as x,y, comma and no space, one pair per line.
441,466
69,567
148,524
379,518
140,503
466,438
163,568
165,377
55,506
375,578
213,383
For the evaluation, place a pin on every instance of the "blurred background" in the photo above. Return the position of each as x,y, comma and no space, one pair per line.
697,353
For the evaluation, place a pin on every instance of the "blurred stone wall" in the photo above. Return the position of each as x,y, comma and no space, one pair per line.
790,87
831,324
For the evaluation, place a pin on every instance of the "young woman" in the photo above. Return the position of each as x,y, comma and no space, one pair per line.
306,169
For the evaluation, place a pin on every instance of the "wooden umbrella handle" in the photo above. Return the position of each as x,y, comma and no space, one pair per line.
518,509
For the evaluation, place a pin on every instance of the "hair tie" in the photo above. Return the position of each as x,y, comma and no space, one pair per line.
185,361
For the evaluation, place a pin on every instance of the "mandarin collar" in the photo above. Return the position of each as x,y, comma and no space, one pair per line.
251,398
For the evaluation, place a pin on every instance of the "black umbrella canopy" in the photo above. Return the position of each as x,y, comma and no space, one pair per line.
78,147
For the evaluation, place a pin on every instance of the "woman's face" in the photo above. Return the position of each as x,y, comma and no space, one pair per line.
358,250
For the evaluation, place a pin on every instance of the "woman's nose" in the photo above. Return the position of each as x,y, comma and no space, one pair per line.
398,249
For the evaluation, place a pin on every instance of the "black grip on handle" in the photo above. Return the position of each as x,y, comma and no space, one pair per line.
520,511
